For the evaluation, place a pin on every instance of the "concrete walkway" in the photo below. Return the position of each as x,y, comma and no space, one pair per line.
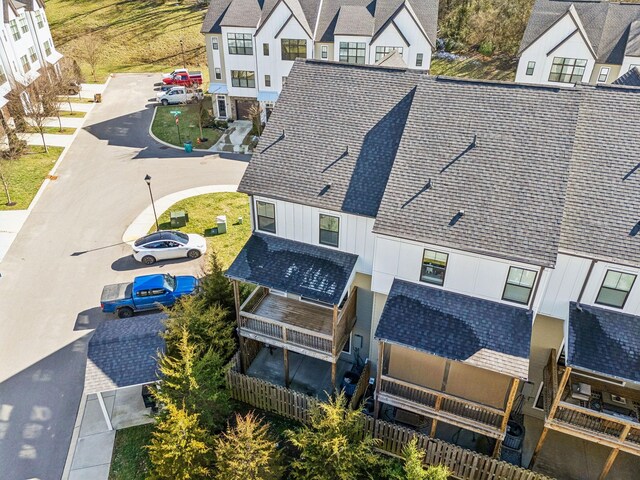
143,222
51,139
232,138
94,440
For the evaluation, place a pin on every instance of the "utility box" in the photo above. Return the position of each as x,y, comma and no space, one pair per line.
221,221
179,219
97,98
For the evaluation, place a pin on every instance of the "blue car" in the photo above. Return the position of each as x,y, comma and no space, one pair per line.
147,292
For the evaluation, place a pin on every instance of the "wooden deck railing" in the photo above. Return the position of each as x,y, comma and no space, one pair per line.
464,464
442,406
361,387
325,346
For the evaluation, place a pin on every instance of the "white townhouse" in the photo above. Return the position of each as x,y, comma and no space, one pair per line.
26,45
569,42
251,45
478,242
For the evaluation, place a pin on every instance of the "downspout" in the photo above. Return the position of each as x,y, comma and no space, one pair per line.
584,284
535,290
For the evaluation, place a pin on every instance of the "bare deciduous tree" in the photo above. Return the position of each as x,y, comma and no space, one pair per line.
91,52
9,157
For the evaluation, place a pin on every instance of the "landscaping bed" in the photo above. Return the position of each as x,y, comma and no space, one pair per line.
27,174
164,125
203,210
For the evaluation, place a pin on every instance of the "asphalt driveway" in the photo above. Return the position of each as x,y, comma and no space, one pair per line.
68,249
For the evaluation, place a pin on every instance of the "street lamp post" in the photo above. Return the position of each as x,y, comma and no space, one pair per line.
184,62
147,179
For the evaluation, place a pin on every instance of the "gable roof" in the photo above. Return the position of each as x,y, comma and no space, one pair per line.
313,272
498,152
631,78
341,158
606,24
124,352
350,17
354,20
485,334
392,59
604,341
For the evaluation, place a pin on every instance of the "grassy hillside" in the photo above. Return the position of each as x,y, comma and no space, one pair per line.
135,35
477,66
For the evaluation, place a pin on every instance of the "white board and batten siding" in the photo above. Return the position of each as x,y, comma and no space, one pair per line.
302,223
467,273
273,64
238,62
574,47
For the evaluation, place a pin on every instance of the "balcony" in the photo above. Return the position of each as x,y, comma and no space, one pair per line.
443,407
298,326
591,409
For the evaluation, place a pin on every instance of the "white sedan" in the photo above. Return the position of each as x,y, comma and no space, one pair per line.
168,244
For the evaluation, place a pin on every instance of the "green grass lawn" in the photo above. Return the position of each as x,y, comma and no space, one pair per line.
136,36
203,211
130,460
26,176
164,125
53,130
73,114
477,66
64,100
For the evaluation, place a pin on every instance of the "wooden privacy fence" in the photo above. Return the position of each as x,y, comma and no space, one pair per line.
464,464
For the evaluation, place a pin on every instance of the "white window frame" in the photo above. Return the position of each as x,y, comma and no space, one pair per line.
340,225
214,43
275,215
606,74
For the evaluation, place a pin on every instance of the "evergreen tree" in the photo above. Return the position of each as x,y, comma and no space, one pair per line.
333,447
413,458
196,381
179,447
247,452
437,472
216,288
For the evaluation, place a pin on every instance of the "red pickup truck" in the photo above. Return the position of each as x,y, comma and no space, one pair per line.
182,77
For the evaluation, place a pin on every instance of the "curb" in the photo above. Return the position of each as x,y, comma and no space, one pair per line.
145,220
170,145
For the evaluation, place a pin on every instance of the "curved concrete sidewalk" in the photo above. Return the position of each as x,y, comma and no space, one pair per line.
143,222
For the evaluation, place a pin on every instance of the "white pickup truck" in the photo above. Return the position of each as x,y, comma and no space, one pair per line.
180,95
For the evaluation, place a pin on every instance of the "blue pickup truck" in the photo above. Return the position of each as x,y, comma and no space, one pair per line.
145,293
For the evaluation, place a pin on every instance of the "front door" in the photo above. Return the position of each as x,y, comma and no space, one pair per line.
243,109
222,108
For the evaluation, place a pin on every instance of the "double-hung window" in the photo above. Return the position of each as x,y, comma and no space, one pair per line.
519,285
214,43
243,78
567,70
39,20
531,66
267,80
15,32
324,52
26,66
23,24
240,43
293,48
381,52
218,73
265,49
604,74
329,230
266,213
434,266
419,58
353,52
33,55
47,48
615,288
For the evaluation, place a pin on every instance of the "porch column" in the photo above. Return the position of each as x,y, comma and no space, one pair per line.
334,347
507,413
614,453
243,353
541,440
376,408
334,368
285,352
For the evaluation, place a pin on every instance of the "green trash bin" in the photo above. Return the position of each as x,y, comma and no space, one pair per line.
188,147
178,219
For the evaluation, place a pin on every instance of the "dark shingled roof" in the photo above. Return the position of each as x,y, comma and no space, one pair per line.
311,165
354,20
498,151
606,24
630,79
312,272
124,352
604,341
486,334
220,13
602,206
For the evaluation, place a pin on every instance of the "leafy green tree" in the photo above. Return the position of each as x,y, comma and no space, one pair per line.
247,451
196,381
413,458
179,447
437,472
333,447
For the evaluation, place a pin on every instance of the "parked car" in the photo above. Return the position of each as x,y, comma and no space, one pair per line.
183,77
180,95
168,244
147,292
